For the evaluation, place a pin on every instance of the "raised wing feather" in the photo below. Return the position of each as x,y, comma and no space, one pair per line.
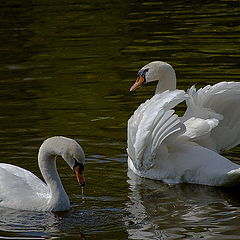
151,124
222,103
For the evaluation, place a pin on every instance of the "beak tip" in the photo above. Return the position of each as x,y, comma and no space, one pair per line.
137,84
132,88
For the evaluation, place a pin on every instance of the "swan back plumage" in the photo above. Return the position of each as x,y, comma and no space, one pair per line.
18,186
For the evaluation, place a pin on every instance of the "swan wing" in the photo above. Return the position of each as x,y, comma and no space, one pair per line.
151,126
199,165
219,102
19,186
199,130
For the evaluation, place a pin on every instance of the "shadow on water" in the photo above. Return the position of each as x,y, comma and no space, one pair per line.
16,224
161,211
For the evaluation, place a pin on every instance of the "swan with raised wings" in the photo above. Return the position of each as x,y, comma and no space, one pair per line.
21,189
164,146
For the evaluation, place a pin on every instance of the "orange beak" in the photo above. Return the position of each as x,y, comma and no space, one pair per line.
79,175
140,80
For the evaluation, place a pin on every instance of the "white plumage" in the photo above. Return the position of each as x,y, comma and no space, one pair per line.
21,189
163,146
220,102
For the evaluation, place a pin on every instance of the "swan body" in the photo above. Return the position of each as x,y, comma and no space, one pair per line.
21,189
164,146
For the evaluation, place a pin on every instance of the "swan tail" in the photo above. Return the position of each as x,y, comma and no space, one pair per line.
151,125
219,102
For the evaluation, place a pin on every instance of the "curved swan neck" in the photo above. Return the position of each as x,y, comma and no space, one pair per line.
167,82
47,165
48,152
167,79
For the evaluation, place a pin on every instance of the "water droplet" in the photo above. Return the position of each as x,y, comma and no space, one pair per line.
82,193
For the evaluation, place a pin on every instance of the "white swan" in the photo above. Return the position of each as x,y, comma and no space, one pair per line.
21,189
163,146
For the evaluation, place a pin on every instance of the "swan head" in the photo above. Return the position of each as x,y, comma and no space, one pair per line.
74,155
154,71
69,150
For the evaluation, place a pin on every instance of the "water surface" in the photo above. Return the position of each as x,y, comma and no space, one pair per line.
66,68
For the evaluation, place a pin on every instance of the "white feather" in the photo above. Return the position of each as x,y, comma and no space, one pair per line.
221,102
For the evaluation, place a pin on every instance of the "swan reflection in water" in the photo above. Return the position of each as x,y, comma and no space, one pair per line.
21,224
161,211
27,223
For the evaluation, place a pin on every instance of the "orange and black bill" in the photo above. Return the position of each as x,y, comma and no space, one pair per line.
140,80
78,171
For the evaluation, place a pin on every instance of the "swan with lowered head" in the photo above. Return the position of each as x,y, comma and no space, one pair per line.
164,146
21,189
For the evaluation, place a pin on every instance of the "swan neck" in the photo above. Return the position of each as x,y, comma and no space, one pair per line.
47,165
167,82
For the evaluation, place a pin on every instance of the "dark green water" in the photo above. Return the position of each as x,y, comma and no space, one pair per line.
66,68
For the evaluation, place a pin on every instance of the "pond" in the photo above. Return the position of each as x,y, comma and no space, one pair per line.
66,68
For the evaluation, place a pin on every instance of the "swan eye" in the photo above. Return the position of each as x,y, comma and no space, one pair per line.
142,73
78,164
141,79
